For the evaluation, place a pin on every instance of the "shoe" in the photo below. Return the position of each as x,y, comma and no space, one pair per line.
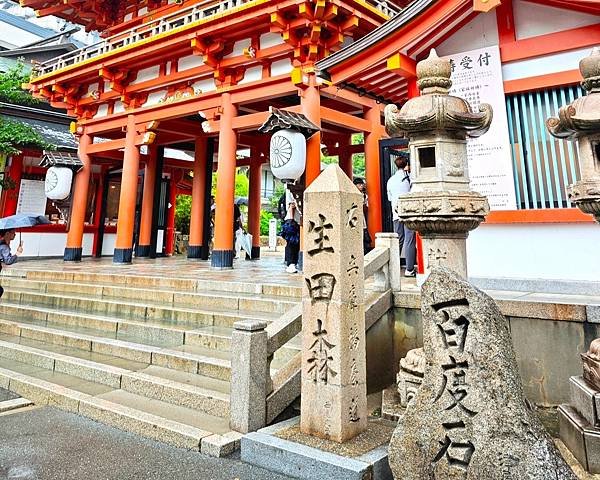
410,273
291,269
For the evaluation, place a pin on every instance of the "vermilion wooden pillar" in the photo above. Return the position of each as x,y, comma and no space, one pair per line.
254,205
372,171
311,107
11,197
170,230
222,255
345,158
73,248
198,194
129,181
144,243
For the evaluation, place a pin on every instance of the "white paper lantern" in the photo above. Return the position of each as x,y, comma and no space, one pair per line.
288,154
58,183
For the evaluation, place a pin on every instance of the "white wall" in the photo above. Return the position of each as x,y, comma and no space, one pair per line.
49,244
535,251
480,32
108,244
532,19
544,65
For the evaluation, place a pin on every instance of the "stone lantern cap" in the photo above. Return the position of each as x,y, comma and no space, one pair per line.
435,109
582,117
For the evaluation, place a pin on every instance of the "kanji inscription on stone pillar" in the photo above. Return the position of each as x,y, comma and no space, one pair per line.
334,392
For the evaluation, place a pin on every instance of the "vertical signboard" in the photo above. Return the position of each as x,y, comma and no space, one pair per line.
32,197
477,77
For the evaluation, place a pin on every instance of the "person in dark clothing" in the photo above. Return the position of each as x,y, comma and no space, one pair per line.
281,207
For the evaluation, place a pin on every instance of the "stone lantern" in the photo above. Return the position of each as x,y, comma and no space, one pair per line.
440,206
580,121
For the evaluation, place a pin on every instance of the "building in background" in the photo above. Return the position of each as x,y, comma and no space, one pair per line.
522,57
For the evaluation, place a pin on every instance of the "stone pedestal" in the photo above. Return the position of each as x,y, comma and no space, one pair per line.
334,400
444,220
580,424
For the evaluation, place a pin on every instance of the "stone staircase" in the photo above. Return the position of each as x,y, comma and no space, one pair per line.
150,355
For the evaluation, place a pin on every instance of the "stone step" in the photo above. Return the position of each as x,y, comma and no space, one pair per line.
110,322
179,426
145,310
146,281
208,341
96,368
187,358
249,302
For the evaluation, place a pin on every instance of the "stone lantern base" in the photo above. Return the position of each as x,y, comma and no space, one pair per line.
585,195
444,220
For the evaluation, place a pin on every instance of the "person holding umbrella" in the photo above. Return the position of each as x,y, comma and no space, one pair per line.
7,234
6,256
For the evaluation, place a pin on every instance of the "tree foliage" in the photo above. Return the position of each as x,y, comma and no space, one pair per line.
11,90
15,135
358,159
183,212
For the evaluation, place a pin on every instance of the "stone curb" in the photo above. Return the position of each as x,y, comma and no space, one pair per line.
522,308
265,450
14,404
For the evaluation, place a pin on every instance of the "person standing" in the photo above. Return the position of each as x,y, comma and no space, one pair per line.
360,184
290,232
397,185
6,257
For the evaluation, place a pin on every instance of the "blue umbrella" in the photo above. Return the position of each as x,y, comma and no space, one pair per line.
22,220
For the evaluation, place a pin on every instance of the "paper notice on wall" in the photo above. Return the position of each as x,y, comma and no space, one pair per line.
477,77
32,197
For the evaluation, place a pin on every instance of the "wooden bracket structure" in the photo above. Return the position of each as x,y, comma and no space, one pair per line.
485,6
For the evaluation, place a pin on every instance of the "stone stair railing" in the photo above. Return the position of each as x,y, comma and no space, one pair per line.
257,398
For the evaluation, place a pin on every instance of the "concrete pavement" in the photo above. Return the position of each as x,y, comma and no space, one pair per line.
49,444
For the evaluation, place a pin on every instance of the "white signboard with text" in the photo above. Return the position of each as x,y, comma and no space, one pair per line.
477,77
32,197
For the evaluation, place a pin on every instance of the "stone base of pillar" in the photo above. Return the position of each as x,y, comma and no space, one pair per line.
255,254
123,255
300,263
222,259
72,254
194,251
142,250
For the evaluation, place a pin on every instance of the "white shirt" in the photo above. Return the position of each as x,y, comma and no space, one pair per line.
291,213
397,185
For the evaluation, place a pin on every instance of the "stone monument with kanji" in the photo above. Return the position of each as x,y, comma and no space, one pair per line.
334,391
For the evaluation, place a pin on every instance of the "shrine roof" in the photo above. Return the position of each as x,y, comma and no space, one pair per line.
52,126
371,77
379,64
